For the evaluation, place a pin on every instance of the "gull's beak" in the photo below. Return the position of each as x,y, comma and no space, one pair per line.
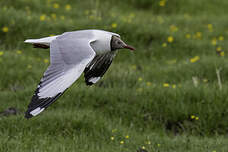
129,47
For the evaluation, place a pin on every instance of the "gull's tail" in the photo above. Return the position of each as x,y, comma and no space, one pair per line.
42,42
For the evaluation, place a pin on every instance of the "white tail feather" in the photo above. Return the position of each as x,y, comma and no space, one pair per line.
45,40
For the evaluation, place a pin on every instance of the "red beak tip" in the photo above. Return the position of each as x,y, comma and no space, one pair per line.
130,47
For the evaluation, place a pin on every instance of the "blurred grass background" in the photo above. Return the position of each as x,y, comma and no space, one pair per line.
163,97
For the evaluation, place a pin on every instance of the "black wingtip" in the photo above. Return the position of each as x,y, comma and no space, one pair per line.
42,103
43,46
88,83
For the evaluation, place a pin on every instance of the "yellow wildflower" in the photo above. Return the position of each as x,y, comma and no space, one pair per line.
121,142
42,17
143,147
165,85
112,138
173,28
19,52
219,49
199,35
46,60
56,5
193,117
1,53
197,118
148,142
221,38
174,86
164,44
126,136
5,29
140,79
214,41
170,39
68,7
210,27
222,53
148,83
162,3
188,36
194,59
114,25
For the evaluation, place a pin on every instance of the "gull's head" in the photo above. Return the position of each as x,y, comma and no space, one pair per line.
117,43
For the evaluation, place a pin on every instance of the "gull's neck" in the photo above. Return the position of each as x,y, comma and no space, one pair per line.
102,44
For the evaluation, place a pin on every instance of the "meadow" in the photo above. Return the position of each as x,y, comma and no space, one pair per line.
170,95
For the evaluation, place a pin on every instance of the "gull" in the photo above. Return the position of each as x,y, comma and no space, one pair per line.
71,54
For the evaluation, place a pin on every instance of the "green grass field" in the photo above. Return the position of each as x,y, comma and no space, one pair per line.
164,97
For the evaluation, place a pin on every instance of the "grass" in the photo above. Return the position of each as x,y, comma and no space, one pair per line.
165,96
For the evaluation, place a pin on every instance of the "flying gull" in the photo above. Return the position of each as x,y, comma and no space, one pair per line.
71,54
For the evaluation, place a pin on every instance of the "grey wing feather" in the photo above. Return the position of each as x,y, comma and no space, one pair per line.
68,60
97,67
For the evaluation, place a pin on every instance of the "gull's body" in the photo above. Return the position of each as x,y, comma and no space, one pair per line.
71,54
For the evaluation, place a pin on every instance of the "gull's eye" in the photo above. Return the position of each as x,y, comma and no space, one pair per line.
118,42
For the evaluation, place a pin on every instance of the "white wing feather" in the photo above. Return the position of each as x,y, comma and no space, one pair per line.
69,57
45,41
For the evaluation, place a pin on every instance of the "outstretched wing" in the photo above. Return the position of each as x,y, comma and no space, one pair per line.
97,67
69,55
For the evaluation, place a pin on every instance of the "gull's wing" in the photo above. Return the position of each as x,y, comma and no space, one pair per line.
69,55
97,67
